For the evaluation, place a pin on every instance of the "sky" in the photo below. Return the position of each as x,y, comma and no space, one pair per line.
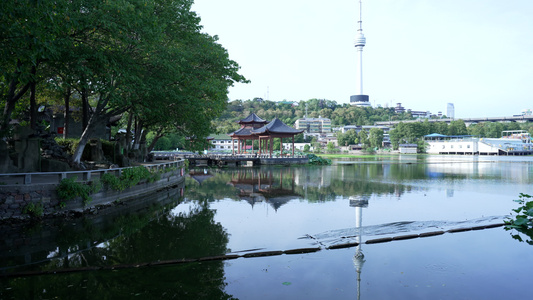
476,54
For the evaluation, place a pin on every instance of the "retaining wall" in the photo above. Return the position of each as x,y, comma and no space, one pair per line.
40,190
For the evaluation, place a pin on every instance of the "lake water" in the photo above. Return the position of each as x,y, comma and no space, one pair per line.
153,253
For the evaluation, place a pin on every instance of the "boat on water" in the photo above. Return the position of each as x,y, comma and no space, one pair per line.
512,142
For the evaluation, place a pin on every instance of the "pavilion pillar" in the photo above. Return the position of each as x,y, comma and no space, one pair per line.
270,141
293,146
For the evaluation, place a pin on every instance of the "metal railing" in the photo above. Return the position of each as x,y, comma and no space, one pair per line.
56,177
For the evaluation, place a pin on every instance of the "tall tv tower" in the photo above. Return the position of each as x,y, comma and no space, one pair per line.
359,99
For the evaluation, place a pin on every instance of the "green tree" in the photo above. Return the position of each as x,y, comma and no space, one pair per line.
363,138
331,148
457,127
376,137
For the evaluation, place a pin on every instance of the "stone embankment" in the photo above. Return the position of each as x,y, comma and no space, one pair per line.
24,193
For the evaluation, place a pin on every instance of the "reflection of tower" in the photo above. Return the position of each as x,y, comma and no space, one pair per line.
359,258
359,99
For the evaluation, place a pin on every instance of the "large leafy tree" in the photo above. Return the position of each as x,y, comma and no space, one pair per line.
144,57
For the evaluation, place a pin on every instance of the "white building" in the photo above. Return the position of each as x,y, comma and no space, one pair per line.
220,142
313,125
516,142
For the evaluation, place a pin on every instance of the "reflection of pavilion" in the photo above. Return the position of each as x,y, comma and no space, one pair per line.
359,258
258,186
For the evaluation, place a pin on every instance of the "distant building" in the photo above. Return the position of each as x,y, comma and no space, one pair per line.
415,113
420,114
220,142
399,108
450,111
313,125
527,112
407,148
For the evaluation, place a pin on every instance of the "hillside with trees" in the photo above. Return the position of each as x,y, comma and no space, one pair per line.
289,112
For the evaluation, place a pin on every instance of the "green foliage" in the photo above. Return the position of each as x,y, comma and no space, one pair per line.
376,137
69,189
68,144
34,210
523,220
130,177
331,148
317,160
112,181
307,148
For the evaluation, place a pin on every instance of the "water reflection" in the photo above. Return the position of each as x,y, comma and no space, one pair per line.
359,258
255,185
278,185
240,210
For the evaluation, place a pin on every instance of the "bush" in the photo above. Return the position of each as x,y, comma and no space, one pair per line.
523,221
129,177
34,210
317,160
69,189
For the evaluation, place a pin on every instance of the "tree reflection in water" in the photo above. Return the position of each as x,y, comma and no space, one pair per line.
191,234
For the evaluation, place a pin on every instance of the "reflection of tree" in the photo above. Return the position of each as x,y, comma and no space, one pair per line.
212,189
314,183
187,235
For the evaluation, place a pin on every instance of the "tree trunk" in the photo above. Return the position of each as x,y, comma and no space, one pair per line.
11,100
158,135
33,102
88,131
138,133
66,114
85,107
128,131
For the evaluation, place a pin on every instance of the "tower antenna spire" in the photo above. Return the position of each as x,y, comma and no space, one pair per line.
360,16
360,99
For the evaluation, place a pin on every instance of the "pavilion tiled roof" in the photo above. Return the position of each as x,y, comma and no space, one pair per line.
276,126
245,131
253,118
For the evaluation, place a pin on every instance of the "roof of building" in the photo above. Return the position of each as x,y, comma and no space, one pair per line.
314,119
253,118
276,126
245,131
219,137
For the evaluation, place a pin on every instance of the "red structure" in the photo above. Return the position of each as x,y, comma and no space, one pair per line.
245,132
254,128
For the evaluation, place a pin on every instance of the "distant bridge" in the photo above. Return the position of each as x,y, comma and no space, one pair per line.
468,121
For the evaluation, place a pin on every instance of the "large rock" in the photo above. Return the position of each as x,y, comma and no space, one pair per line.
95,150
27,149
53,165
6,164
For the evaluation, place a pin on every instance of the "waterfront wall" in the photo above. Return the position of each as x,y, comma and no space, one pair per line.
24,244
284,161
18,191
